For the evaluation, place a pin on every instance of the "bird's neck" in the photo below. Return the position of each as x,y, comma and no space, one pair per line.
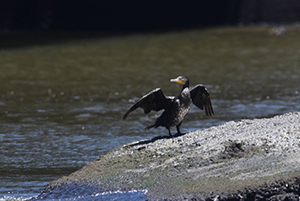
186,85
184,92
185,97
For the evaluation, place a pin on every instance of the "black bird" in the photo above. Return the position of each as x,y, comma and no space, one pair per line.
175,108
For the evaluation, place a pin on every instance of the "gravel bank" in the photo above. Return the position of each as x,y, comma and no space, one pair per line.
242,160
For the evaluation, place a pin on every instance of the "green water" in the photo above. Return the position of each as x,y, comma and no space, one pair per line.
61,103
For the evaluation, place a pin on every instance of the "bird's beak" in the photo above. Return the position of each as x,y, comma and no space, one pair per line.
177,80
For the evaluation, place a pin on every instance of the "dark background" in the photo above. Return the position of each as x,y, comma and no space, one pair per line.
142,15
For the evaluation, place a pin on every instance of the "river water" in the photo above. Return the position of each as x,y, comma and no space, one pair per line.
61,104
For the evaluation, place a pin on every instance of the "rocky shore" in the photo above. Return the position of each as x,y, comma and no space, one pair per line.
246,160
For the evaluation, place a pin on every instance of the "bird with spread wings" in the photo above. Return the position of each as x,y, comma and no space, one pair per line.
175,108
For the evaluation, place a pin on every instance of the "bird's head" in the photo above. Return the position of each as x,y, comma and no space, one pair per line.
183,80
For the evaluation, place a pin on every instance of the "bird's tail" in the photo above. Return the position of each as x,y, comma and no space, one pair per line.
151,126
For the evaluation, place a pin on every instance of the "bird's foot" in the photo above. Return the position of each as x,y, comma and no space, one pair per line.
178,134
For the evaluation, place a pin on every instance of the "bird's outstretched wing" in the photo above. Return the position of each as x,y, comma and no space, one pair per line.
154,100
200,98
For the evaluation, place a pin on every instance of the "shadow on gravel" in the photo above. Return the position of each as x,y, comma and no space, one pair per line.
153,140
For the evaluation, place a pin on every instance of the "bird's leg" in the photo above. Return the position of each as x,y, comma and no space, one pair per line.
178,128
169,132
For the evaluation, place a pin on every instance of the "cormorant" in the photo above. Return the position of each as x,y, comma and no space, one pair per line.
175,108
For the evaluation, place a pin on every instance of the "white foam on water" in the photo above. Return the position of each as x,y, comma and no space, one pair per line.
120,192
8,198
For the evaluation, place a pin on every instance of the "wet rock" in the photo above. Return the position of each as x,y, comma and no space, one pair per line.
247,160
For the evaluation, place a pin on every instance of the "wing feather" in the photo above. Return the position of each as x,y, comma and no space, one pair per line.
200,98
154,100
